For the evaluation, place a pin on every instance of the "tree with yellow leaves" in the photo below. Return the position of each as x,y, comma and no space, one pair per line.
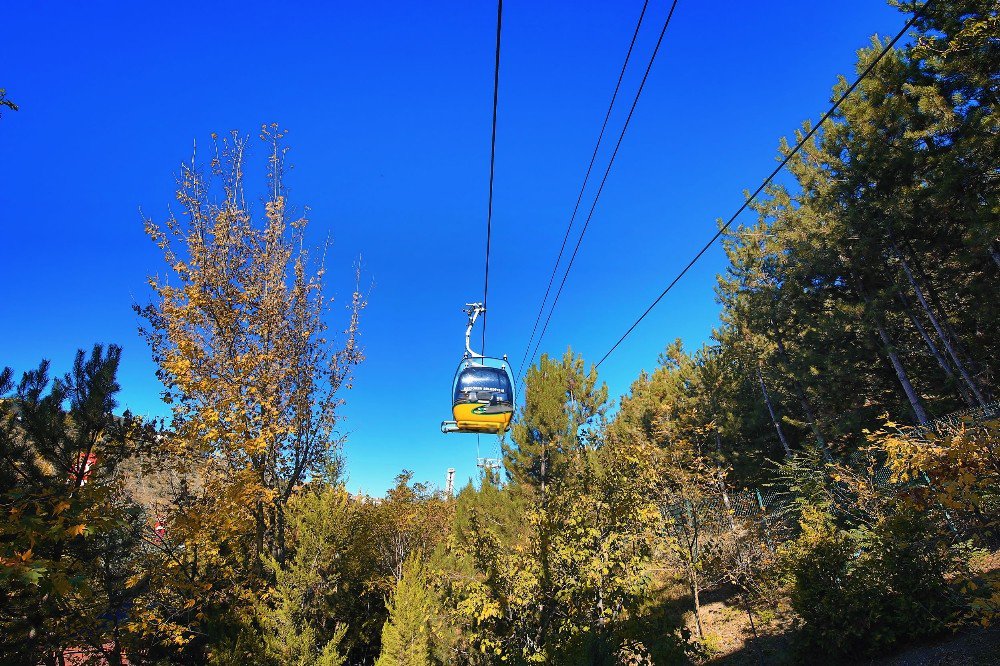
952,475
239,336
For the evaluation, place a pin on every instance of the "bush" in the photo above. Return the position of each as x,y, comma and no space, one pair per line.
866,590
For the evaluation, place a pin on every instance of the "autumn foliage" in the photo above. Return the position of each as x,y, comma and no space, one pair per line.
830,453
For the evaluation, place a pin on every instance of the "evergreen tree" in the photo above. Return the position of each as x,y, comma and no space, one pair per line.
71,542
562,405
305,615
406,636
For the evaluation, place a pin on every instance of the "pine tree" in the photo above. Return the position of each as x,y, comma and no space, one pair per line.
71,541
562,403
406,636
305,616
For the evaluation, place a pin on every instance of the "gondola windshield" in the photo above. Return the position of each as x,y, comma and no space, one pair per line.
480,383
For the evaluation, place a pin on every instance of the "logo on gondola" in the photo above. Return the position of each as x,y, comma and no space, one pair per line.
493,409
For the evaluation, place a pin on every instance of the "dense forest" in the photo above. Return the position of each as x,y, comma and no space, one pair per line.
832,455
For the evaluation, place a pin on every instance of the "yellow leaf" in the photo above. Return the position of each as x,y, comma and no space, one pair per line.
76,530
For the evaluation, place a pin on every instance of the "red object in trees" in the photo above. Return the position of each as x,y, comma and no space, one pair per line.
79,656
86,461
160,528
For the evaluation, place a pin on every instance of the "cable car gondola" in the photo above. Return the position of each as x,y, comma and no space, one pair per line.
483,391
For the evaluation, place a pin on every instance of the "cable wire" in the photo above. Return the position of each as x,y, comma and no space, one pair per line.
586,178
768,180
493,152
604,180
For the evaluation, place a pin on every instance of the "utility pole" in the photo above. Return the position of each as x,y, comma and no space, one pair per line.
449,484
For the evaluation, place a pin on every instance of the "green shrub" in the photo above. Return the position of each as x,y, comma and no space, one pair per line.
865,590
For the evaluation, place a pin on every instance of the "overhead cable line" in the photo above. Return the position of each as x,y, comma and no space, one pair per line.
586,178
493,153
767,181
604,180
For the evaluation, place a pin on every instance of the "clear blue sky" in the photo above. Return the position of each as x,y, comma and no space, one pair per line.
388,108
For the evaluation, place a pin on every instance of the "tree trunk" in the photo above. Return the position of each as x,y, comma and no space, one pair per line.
938,356
800,391
942,334
597,647
258,543
770,410
116,649
935,300
543,543
691,539
279,531
753,628
720,479
915,403
696,595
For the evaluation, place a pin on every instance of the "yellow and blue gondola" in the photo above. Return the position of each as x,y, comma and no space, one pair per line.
482,391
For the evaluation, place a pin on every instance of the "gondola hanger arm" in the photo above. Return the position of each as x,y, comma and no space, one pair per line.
473,310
